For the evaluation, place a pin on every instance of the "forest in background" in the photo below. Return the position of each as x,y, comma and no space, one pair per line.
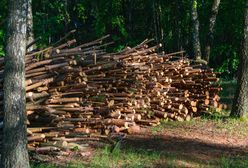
51,97
131,21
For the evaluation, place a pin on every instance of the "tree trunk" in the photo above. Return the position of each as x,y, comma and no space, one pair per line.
196,38
212,21
129,16
240,104
66,20
158,29
161,30
155,22
30,33
15,153
179,24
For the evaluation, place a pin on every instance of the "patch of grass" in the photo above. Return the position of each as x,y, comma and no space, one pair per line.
216,116
172,124
72,164
220,123
43,165
228,124
129,158
141,157
159,127
144,158
152,159
234,162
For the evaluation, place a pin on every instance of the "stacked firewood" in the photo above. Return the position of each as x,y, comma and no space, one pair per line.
80,93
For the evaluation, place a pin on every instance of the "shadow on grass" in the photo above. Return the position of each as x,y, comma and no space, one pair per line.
173,149
158,151
182,152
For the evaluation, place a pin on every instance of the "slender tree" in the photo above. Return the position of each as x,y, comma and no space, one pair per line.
30,33
212,21
156,31
15,153
195,31
129,8
240,104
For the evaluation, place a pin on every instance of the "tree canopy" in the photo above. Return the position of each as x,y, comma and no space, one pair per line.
129,22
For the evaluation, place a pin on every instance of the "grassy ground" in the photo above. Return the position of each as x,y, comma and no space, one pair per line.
146,159
195,147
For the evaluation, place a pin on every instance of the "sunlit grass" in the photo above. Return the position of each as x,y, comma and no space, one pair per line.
234,162
130,158
124,158
219,123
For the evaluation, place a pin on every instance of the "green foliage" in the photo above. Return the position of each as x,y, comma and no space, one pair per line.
50,19
1,43
228,37
130,22
75,148
3,16
229,57
80,11
195,4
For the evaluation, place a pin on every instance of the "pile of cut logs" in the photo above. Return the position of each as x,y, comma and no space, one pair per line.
81,93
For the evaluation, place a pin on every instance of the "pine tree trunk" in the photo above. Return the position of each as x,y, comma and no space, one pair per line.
66,20
196,38
74,20
155,22
212,21
15,153
30,33
161,30
240,104
129,16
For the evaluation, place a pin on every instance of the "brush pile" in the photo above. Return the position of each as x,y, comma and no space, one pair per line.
77,94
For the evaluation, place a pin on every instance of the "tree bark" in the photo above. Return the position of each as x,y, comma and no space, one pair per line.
158,29
212,21
66,20
179,24
30,33
129,16
155,22
195,33
15,153
161,30
240,104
